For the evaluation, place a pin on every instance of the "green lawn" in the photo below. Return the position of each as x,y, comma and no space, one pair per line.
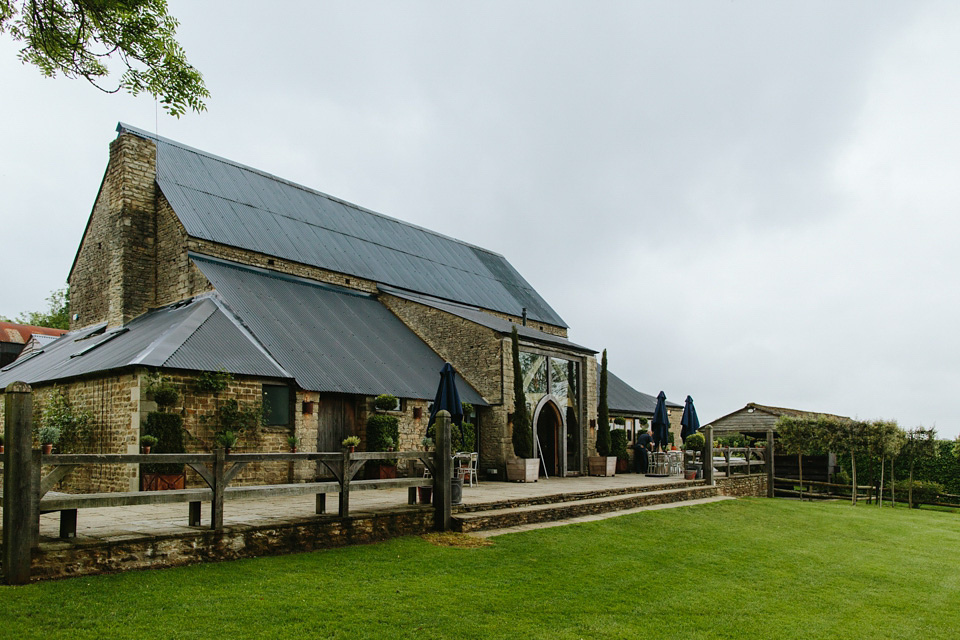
753,568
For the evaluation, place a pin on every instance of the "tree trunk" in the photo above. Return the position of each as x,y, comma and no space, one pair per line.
893,485
800,466
883,460
910,487
853,466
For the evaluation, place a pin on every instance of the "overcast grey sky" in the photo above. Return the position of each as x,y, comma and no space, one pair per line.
741,201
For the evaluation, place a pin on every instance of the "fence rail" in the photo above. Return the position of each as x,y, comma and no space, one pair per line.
26,491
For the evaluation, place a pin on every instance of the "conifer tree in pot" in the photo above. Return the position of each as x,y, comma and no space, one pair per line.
603,464
524,468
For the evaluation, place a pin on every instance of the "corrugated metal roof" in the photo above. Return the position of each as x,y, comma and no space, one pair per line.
623,398
329,338
196,335
228,203
485,319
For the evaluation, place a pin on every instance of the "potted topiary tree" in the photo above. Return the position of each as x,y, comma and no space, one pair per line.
292,442
48,435
603,464
383,432
523,468
147,442
618,447
167,428
695,443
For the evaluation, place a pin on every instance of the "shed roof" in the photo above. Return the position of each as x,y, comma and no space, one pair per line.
20,333
329,338
759,417
172,337
221,201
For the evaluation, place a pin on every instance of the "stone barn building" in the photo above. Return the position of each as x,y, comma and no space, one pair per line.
191,264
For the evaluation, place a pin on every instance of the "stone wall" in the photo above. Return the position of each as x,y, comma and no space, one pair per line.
111,402
113,277
412,429
740,486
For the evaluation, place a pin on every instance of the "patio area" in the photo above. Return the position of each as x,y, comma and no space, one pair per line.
113,524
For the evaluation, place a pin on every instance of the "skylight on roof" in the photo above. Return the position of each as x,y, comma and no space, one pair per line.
20,361
105,339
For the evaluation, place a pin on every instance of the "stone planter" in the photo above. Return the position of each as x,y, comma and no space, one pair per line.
623,466
602,465
523,470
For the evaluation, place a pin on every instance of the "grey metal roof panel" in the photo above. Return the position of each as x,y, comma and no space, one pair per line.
329,338
264,213
196,335
485,319
624,398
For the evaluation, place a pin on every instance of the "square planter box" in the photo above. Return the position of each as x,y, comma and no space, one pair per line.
602,465
162,481
523,470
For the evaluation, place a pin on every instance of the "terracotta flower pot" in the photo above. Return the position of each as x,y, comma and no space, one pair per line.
293,449
146,450
47,448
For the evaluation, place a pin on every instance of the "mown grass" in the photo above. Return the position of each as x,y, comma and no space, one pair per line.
753,568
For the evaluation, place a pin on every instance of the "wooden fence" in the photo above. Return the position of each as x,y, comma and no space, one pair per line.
738,461
792,487
26,491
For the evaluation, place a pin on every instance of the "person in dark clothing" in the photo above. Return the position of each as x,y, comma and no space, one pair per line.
641,449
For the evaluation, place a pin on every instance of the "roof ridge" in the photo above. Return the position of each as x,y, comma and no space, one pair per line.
123,127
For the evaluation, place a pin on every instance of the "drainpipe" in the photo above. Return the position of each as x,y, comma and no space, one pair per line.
524,316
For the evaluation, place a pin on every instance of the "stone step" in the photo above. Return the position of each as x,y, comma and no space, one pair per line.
531,513
573,496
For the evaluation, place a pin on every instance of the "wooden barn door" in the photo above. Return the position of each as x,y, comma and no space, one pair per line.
335,421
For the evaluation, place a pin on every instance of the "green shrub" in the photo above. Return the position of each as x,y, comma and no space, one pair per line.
167,428
461,439
213,381
619,421
350,441
148,441
468,437
48,434
226,439
382,429
618,444
1,439
923,490
385,402
162,389
695,441
230,415
735,440
73,426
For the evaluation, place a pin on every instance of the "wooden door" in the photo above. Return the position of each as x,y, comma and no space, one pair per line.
335,421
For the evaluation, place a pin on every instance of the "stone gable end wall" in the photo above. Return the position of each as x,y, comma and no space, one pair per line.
113,278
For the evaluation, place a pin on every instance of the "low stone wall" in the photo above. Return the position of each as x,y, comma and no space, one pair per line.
740,486
71,559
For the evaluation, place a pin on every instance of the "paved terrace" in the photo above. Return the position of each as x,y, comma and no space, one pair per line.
116,524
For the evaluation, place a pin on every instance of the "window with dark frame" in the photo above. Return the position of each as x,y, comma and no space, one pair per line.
276,405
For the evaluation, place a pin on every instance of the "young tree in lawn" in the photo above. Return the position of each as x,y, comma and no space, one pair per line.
897,444
798,436
846,435
882,443
921,443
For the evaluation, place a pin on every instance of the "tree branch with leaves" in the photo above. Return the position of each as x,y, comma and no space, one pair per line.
78,38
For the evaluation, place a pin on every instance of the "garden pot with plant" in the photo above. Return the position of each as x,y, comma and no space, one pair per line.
383,433
1,443
48,436
523,468
148,442
604,463
227,439
292,442
350,443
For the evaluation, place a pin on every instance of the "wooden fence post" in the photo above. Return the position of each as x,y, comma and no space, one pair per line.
443,466
20,513
708,455
345,485
216,504
769,463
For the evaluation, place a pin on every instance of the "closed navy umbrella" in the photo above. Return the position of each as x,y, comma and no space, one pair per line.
448,398
661,423
689,423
